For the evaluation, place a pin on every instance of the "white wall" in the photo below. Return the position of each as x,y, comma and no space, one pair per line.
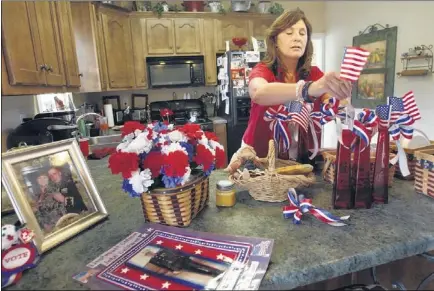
415,22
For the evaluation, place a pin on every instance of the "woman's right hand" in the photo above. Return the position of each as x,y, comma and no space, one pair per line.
332,84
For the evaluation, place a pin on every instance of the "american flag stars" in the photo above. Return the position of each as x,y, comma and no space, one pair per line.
144,277
159,242
124,270
179,247
198,252
165,285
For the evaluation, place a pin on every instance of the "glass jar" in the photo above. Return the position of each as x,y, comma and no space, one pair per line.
225,193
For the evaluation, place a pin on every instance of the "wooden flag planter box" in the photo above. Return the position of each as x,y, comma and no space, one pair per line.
410,159
424,172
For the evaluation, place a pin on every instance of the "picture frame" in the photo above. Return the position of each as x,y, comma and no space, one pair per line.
381,42
259,44
52,191
6,204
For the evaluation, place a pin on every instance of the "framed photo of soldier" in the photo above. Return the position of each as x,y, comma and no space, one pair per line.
52,191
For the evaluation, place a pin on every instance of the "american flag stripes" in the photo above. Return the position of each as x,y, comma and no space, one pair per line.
353,62
383,113
404,105
299,113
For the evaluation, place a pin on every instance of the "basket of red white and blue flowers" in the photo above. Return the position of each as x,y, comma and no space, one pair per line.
168,168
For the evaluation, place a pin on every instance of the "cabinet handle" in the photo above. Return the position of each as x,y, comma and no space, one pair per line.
50,69
43,67
170,47
80,75
143,80
178,47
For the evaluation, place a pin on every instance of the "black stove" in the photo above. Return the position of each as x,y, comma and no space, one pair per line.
183,110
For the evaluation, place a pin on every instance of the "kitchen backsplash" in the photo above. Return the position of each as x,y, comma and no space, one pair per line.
14,108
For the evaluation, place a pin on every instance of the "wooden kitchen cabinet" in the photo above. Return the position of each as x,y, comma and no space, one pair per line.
67,41
187,36
259,27
117,49
34,48
138,34
159,34
226,29
210,59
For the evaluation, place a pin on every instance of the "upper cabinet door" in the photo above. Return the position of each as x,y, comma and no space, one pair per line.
159,33
226,29
187,36
50,42
138,39
118,50
260,27
21,44
67,41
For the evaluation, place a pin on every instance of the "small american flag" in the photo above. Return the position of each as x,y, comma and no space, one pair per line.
404,105
353,62
299,113
383,113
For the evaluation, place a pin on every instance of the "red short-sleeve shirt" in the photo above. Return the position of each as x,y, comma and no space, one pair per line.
258,132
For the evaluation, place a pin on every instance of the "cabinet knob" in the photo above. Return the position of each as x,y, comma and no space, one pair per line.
143,80
43,67
50,69
80,75
178,47
170,47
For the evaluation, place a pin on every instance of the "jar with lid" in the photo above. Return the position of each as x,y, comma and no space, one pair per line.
225,193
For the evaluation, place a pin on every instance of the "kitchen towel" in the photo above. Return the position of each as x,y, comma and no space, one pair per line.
108,112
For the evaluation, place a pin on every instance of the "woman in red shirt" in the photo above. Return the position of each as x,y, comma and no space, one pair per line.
285,75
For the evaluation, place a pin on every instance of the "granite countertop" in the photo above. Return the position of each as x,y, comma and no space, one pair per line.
302,254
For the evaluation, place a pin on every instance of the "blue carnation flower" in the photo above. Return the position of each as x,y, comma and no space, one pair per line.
128,188
189,148
171,182
211,168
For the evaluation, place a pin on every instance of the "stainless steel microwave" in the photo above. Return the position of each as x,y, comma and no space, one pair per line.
175,71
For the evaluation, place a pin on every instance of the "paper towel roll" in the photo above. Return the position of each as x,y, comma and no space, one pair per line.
108,112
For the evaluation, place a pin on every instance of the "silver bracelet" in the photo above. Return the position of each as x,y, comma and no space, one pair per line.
298,91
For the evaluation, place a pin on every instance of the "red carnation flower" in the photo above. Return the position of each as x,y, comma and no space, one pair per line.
191,130
175,164
131,126
220,158
123,163
153,162
150,132
211,136
204,157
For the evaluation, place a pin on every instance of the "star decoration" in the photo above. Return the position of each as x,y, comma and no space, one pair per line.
124,270
165,285
144,277
149,229
220,257
159,242
178,247
198,252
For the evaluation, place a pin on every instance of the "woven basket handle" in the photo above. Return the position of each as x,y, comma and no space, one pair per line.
271,156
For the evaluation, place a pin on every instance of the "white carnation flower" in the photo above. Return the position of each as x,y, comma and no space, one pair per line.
177,136
140,144
173,147
170,126
215,144
186,176
141,181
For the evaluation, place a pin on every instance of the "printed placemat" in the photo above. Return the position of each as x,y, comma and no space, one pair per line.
158,257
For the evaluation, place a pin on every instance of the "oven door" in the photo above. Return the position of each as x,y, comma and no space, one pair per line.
169,75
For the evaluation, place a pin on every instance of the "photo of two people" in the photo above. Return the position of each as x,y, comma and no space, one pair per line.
54,192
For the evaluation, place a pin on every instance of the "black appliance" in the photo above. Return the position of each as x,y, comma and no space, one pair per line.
36,132
68,116
175,71
139,104
238,64
182,112
118,113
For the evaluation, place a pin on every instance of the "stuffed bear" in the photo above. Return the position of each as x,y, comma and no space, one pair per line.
10,236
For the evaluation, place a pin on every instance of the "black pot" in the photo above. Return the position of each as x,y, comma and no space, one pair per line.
61,132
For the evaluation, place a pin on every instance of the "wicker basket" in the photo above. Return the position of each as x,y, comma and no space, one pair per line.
176,206
424,175
273,187
411,160
328,172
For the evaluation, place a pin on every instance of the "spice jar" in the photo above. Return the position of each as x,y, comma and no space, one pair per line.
225,193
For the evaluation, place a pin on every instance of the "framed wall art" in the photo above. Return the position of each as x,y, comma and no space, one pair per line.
377,80
52,191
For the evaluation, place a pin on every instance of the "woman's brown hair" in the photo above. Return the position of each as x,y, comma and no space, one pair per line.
283,22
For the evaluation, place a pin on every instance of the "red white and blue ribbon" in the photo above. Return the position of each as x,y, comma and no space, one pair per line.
300,205
332,111
402,126
364,125
278,119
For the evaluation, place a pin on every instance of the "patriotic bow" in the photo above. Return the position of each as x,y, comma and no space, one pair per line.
364,125
300,205
402,126
277,119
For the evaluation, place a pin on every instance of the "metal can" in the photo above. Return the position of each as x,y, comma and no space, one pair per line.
225,193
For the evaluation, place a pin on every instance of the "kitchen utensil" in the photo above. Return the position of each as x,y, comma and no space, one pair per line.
194,6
